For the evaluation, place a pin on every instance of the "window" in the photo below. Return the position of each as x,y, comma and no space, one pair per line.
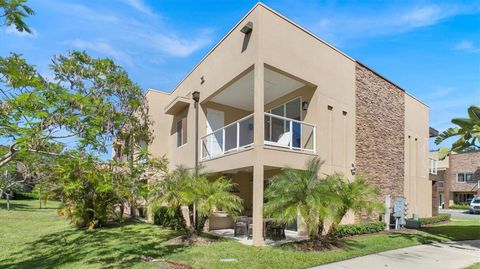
276,127
465,177
469,177
433,167
463,198
182,132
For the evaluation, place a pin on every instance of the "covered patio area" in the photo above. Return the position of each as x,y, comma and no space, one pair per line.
290,236
242,228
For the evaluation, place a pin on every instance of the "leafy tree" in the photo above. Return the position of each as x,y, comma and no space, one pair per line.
90,103
356,195
303,192
21,174
9,183
13,13
468,133
180,188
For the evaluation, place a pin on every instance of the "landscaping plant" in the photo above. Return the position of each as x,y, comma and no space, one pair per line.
468,133
318,201
299,192
180,188
356,195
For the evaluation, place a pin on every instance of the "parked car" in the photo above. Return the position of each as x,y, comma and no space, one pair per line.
475,205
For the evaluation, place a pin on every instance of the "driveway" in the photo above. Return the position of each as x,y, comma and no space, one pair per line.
458,213
451,255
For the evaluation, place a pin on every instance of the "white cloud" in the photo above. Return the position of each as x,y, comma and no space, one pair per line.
427,15
124,31
389,19
86,13
177,46
140,6
467,46
13,31
101,47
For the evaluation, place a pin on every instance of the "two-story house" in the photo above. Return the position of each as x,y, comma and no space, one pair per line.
457,176
274,95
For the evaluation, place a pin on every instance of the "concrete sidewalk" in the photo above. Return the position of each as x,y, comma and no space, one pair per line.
452,255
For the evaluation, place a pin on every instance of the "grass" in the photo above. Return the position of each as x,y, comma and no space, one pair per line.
474,266
38,238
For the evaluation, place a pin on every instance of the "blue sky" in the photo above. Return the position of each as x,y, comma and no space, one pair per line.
430,48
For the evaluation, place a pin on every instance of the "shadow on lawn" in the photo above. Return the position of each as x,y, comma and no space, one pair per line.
116,247
455,232
19,206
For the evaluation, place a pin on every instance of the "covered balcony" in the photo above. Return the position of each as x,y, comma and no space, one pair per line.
229,115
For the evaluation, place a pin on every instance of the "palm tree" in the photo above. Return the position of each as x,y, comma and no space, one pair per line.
180,188
172,192
356,195
295,192
209,196
468,131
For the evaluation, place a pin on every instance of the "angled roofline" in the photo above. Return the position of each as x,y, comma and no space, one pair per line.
156,91
391,82
300,28
238,23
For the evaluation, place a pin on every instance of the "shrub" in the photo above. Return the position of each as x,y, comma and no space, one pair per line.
360,228
436,219
25,196
459,206
162,218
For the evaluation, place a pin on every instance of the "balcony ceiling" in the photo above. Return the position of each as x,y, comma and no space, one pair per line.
240,93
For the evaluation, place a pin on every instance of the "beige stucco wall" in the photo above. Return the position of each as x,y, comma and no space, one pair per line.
160,145
278,44
292,50
417,186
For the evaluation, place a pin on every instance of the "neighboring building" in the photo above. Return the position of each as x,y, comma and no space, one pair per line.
274,95
458,178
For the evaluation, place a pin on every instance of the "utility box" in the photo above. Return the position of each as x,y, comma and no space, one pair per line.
412,224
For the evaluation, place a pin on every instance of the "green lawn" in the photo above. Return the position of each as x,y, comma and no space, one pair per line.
38,238
474,266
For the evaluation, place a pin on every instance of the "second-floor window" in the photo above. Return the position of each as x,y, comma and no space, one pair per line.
465,177
433,167
182,132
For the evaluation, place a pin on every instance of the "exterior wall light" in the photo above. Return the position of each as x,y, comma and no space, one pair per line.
247,29
305,105
196,96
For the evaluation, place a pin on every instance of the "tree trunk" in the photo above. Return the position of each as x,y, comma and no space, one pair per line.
122,209
133,208
7,157
8,200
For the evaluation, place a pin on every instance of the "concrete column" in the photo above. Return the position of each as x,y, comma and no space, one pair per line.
258,140
258,204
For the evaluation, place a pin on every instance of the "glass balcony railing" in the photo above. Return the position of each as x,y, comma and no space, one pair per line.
289,133
279,132
229,138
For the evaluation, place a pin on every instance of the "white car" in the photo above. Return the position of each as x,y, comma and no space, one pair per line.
475,205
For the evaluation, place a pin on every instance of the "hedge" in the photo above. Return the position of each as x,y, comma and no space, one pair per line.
436,219
459,206
360,228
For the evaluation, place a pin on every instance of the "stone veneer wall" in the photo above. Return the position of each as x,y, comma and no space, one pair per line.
380,132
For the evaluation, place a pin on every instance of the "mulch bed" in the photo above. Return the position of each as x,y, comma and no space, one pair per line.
194,239
317,245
